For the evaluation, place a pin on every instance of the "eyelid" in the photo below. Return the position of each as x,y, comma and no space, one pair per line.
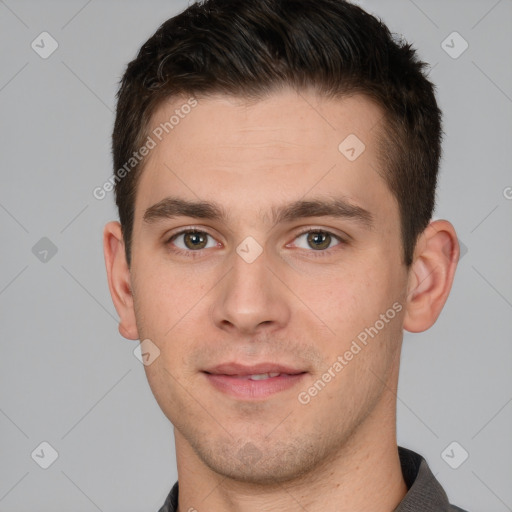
341,236
187,229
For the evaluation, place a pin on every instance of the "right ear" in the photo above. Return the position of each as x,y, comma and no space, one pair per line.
119,279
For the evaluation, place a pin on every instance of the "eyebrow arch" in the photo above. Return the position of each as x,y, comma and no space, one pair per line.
171,207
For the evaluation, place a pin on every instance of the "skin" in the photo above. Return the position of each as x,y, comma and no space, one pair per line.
294,304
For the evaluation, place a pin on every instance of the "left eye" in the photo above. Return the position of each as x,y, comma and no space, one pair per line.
317,240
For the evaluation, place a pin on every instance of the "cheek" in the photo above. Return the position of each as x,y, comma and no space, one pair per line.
348,303
342,299
163,297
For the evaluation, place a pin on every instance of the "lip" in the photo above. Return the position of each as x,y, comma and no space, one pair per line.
236,369
231,379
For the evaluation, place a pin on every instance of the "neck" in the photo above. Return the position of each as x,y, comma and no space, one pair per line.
363,474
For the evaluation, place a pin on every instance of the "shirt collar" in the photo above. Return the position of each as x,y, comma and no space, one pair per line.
424,491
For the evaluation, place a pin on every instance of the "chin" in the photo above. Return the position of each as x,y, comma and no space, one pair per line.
275,464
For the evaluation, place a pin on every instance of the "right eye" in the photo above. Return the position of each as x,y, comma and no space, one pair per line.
192,240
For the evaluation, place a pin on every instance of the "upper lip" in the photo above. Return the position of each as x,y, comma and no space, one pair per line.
256,369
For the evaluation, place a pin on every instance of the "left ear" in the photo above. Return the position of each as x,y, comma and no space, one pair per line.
431,275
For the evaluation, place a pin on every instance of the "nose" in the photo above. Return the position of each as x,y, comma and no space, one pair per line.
251,298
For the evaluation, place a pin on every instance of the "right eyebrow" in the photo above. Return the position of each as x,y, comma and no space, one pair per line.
171,207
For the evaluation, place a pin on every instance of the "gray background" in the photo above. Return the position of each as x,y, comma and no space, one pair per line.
69,378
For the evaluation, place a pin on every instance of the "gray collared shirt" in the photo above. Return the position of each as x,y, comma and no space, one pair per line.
424,494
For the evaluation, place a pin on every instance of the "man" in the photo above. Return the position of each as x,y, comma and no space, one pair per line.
275,171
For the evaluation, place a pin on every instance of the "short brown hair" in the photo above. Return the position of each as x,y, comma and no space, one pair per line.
251,48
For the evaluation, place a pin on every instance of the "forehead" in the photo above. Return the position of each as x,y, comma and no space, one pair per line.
248,152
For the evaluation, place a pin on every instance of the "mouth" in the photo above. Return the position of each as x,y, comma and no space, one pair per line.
256,376
254,382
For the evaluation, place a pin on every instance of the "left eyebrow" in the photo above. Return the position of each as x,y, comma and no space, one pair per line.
171,207
337,207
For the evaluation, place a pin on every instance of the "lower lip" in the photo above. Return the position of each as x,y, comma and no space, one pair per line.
253,389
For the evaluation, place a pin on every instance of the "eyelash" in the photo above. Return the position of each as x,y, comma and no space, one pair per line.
196,253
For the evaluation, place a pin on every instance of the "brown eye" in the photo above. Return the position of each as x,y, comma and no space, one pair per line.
319,240
192,240
195,240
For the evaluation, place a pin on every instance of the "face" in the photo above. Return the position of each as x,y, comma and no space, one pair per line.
290,264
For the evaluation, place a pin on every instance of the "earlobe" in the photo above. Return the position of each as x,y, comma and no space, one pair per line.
431,275
119,279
